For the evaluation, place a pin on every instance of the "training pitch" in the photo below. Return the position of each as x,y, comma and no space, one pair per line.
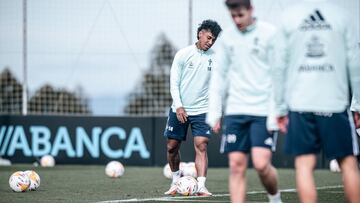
80,183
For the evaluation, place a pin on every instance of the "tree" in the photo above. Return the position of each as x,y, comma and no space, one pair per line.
48,100
152,96
10,93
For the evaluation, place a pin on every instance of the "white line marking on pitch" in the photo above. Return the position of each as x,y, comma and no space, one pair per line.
192,198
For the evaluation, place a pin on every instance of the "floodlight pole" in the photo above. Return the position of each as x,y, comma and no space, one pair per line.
24,85
190,21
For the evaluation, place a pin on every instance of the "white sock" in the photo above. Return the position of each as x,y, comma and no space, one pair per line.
275,198
175,176
201,181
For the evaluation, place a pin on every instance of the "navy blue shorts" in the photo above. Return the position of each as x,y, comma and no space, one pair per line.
242,132
310,132
176,130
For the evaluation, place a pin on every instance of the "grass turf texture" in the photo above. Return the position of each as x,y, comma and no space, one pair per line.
80,183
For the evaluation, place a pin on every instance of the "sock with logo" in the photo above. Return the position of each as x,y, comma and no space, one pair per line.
175,176
275,198
201,181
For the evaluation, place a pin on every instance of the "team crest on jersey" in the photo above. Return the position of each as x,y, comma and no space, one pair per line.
315,49
209,66
191,65
315,21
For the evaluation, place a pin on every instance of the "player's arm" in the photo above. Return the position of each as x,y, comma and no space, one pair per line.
271,121
175,75
279,66
217,86
353,63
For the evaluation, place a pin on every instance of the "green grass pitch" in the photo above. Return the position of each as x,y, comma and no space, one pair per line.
80,183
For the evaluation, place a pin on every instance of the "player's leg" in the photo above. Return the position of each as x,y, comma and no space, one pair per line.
262,143
173,157
236,143
237,176
340,142
351,178
201,159
267,173
201,163
175,133
305,184
173,154
303,141
201,133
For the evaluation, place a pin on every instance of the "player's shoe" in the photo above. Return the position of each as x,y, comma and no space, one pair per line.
172,190
203,192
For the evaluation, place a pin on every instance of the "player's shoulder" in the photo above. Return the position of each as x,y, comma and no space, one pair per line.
307,6
229,33
329,11
185,51
266,27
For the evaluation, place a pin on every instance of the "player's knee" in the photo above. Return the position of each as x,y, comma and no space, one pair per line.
201,147
261,166
172,149
237,167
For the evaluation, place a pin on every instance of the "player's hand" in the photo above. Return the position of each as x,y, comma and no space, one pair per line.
283,122
357,119
181,114
217,127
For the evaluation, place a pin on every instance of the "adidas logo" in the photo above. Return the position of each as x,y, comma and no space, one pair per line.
269,141
315,21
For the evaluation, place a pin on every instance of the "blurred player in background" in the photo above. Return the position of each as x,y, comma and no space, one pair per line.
189,79
316,61
242,75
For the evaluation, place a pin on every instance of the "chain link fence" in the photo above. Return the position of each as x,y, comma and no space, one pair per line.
104,57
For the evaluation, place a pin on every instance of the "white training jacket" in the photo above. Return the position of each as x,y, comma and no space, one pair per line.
316,60
241,80
189,79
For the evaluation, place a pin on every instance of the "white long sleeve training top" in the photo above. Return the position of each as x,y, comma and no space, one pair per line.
241,80
189,79
316,60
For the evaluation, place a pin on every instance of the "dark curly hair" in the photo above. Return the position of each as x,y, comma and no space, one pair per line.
211,26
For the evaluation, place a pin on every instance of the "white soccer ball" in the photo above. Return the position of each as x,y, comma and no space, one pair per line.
334,166
190,170
47,161
167,171
19,181
182,165
187,186
114,169
34,180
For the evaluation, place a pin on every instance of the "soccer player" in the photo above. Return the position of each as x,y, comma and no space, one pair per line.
189,80
242,81
316,61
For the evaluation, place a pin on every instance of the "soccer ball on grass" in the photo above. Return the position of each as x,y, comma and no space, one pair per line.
187,186
19,181
47,161
34,180
114,169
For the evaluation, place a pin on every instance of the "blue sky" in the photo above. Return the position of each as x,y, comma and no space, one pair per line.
104,45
